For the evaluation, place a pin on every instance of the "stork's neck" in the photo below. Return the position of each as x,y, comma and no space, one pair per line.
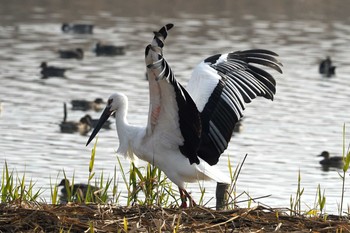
126,133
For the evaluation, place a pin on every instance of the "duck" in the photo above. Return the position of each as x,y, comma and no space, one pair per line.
77,53
77,28
326,68
93,122
335,161
108,50
78,191
51,71
85,105
83,126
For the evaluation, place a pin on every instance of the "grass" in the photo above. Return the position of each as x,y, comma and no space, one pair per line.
149,190
346,163
145,186
13,188
295,203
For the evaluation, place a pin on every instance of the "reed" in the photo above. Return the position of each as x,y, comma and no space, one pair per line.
115,193
319,205
147,186
54,192
295,203
346,163
13,189
232,190
321,199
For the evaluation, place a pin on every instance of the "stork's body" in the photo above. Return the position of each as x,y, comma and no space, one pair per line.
189,128
161,149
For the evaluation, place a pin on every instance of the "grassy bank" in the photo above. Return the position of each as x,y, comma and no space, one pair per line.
153,205
35,217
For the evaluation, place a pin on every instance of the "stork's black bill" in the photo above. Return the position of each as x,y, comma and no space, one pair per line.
104,117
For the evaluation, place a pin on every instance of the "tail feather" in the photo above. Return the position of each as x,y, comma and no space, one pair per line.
212,172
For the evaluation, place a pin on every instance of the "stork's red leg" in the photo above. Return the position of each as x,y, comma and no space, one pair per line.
183,199
184,195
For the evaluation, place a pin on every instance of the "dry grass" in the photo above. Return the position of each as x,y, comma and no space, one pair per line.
38,217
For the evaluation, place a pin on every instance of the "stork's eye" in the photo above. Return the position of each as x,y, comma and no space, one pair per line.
110,101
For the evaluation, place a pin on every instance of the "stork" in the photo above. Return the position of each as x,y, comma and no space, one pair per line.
189,128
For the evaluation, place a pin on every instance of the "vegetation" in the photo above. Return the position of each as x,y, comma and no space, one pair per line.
346,163
149,191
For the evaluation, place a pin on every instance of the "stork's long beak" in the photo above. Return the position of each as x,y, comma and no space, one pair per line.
104,117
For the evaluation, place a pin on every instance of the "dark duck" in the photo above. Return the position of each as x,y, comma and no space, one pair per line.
326,68
328,161
85,105
51,71
108,50
77,53
77,28
77,192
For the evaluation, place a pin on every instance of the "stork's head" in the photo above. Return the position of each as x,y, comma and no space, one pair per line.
116,103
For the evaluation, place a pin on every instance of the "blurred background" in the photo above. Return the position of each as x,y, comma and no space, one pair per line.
281,137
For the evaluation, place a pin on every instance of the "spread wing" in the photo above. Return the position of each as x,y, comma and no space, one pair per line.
221,86
200,119
172,113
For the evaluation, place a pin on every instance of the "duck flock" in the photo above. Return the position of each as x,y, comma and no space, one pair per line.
85,123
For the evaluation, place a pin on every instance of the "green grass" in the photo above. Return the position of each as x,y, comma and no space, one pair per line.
346,163
147,185
13,188
295,203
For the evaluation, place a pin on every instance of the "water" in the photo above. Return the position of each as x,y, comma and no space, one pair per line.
280,137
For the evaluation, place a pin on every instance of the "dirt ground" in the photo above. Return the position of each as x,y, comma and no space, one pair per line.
38,217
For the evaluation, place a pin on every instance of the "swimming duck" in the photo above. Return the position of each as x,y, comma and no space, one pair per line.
77,53
326,68
85,105
83,126
335,161
108,50
77,28
93,122
51,71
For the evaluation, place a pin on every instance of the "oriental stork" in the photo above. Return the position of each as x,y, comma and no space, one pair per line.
189,128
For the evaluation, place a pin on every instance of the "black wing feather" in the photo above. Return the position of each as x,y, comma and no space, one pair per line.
240,83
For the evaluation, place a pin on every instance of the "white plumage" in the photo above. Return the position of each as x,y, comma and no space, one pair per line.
188,129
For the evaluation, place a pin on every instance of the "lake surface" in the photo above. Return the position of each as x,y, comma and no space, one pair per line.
280,137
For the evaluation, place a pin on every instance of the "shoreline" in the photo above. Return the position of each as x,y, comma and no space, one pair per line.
40,217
